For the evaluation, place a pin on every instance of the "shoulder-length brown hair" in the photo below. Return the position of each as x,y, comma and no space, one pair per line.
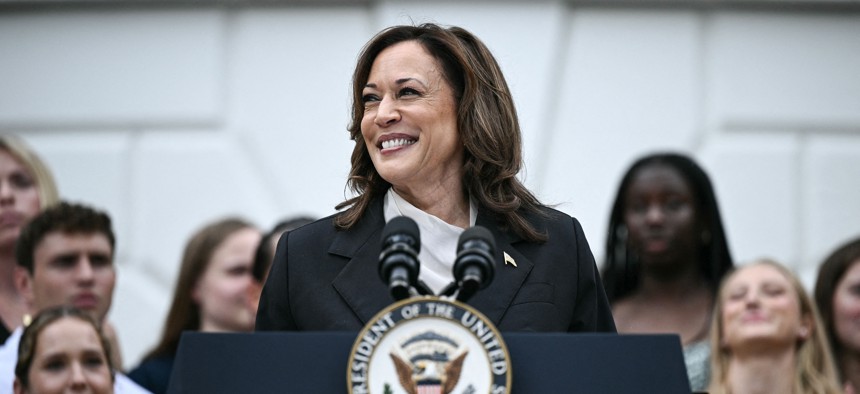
830,273
814,367
184,314
486,120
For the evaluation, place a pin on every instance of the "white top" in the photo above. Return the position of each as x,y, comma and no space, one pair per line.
438,239
697,357
9,358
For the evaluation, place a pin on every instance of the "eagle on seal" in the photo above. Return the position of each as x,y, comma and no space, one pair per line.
429,375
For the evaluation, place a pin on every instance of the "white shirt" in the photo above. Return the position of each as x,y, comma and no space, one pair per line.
9,358
438,239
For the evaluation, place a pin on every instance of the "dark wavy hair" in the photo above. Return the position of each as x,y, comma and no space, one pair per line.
486,120
830,273
621,270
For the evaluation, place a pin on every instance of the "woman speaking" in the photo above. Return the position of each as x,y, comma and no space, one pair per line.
436,139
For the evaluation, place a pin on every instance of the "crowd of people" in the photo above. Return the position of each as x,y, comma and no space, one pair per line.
743,327
58,279
436,139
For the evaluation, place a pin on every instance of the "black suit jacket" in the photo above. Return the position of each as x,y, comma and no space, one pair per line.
323,279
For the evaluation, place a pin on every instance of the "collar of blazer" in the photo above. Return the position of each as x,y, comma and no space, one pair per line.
362,289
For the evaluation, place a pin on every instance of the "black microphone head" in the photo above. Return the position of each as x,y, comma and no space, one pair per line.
398,261
473,268
401,229
476,233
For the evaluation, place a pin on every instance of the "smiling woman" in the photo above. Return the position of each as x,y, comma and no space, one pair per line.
766,328
436,139
410,130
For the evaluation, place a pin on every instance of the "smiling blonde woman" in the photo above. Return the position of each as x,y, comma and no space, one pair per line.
767,335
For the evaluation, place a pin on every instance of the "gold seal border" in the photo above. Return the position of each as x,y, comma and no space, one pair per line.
401,303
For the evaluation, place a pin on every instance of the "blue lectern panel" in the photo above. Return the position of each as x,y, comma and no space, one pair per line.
315,362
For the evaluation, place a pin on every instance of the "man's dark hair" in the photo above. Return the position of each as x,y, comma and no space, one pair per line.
66,218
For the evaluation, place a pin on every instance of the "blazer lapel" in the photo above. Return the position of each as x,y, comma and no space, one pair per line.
358,283
362,289
494,300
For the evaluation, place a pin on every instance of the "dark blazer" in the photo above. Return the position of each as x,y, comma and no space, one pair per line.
153,373
324,279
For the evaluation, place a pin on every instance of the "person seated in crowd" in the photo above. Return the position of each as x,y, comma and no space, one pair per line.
63,351
212,294
266,250
767,336
66,254
26,188
666,253
837,294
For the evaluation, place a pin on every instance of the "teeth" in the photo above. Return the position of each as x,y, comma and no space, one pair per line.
396,142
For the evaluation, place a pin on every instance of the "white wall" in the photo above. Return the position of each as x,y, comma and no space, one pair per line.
170,117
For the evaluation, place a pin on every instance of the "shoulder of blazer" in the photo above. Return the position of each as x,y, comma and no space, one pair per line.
548,220
346,243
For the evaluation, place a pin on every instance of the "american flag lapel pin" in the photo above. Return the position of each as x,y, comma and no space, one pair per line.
509,259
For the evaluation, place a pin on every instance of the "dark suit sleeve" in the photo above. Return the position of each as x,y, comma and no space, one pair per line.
274,310
592,311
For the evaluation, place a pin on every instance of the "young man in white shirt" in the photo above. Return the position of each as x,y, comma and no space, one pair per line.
66,256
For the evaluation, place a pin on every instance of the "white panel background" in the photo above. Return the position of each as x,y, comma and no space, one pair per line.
171,117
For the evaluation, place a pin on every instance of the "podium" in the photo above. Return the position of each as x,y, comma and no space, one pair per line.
316,362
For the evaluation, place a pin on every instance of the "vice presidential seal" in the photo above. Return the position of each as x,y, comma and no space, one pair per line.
429,345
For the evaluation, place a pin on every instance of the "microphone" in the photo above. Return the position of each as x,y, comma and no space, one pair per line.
473,267
398,262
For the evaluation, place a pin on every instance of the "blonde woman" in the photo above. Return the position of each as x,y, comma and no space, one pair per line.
26,188
767,335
